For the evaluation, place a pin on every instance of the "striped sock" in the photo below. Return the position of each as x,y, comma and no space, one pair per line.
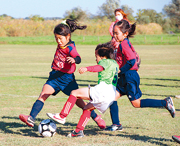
68,106
83,120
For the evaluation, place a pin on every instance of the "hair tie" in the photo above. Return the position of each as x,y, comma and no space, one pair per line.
64,22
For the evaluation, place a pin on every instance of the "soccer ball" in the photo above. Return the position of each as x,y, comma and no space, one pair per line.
47,128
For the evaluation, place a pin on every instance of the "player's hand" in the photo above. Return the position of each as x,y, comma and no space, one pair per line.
70,60
82,70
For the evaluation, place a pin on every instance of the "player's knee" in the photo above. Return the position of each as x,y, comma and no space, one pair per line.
74,93
43,97
136,103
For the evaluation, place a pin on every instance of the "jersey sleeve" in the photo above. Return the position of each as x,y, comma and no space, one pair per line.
127,51
73,52
129,56
95,68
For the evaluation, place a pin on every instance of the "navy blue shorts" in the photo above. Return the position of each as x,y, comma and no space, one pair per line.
62,82
128,84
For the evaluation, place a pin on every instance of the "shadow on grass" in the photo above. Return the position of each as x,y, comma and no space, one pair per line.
91,82
159,85
18,127
161,79
146,139
21,128
68,128
164,96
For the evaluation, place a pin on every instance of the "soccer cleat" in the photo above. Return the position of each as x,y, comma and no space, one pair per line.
170,106
27,119
114,127
76,134
100,122
176,138
56,117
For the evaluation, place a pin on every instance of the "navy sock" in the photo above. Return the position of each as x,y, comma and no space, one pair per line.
152,103
37,106
114,111
93,114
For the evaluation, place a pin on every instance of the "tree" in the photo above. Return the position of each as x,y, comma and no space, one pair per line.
107,8
128,11
36,18
146,16
173,11
76,13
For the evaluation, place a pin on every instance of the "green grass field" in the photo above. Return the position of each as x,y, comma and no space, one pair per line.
164,39
25,68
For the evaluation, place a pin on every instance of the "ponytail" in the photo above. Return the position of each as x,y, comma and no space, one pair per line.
125,26
131,31
67,27
73,25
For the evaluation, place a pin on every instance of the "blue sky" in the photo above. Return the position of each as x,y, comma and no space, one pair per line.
57,8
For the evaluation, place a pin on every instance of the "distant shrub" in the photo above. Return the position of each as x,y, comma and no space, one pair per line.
98,27
151,28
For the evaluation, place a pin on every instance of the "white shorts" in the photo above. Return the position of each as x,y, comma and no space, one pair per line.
102,96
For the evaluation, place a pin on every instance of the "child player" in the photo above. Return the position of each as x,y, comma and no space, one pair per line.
129,80
61,77
100,96
119,15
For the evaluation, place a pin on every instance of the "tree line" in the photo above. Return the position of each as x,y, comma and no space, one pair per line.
168,19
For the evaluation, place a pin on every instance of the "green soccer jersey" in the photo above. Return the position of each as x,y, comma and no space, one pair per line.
110,73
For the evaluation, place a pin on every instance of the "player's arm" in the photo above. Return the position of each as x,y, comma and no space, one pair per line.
95,68
75,57
129,64
130,57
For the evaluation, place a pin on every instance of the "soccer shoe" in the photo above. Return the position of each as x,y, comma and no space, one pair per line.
27,119
114,127
75,134
170,106
176,138
56,117
100,122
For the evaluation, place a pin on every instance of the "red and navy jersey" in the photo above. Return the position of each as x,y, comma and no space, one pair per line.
125,53
59,63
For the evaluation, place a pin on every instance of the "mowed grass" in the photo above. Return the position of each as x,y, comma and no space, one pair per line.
164,39
25,68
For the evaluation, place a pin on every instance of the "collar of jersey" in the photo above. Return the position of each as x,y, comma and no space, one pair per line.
70,42
63,47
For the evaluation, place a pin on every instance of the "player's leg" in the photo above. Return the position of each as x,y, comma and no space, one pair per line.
134,94
176,138
80,103
37,106
114,112
78,132
82,93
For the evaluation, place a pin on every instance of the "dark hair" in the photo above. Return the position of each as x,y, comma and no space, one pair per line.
68,28
125,26
105,50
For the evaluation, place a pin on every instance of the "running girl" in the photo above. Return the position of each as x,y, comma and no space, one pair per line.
129,80
101,96
61,77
